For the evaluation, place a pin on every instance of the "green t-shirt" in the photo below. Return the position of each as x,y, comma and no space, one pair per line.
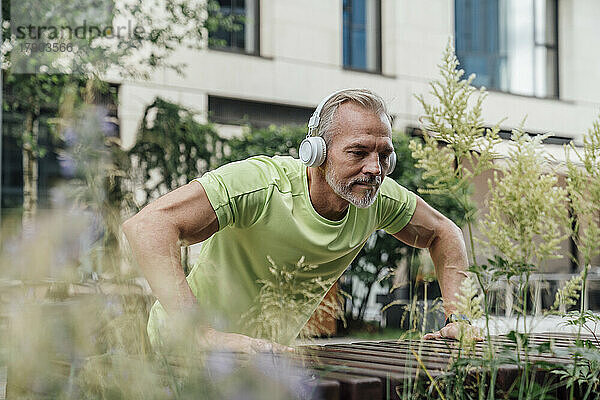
274,257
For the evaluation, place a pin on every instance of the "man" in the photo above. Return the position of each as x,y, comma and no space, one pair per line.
261,212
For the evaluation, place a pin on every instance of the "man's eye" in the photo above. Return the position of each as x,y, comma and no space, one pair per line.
358,153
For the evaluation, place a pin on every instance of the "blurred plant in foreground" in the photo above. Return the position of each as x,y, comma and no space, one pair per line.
77,322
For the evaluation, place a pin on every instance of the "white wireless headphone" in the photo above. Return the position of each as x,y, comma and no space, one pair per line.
313,149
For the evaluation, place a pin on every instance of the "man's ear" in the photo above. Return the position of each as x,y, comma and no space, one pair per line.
321,168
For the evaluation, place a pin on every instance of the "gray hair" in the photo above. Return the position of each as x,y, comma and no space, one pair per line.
363,97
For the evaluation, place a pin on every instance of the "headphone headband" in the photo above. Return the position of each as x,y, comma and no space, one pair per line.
313,150
315,118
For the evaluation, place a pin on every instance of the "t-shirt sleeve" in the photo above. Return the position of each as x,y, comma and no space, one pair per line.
397,206
237,192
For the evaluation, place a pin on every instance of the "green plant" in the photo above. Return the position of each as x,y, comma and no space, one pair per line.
467,146
584,372
270,141
568,294
282,301
526,222
527,216
38,80
171,149
583,185
468,303
457,147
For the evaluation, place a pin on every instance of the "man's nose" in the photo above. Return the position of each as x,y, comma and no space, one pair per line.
372,165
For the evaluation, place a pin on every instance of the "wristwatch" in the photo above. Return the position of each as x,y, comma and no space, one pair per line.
457,318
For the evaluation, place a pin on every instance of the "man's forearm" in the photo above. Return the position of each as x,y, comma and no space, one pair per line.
156,249
449,256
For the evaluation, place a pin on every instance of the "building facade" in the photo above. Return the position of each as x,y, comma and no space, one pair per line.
538,59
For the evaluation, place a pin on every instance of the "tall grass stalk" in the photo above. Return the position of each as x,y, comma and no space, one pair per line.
583,184
458,147
526,222
454,120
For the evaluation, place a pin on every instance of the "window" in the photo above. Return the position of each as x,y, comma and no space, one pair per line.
239,29
362,35
512,45
258,114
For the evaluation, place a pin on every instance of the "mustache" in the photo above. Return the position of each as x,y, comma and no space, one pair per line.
374,180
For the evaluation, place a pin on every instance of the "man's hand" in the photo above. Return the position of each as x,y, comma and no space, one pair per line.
215,340
456,330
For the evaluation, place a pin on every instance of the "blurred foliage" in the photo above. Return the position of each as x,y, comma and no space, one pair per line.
171,149
57,351
37,81
455,119
283,298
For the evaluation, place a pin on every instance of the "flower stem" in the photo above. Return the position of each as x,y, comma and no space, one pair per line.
471,241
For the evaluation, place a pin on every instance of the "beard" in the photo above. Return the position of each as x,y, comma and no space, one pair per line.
344,189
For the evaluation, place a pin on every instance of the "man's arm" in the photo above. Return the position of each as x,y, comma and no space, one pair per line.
429,229
181,217
156,233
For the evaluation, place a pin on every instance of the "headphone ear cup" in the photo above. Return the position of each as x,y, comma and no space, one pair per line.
392,163
312,151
